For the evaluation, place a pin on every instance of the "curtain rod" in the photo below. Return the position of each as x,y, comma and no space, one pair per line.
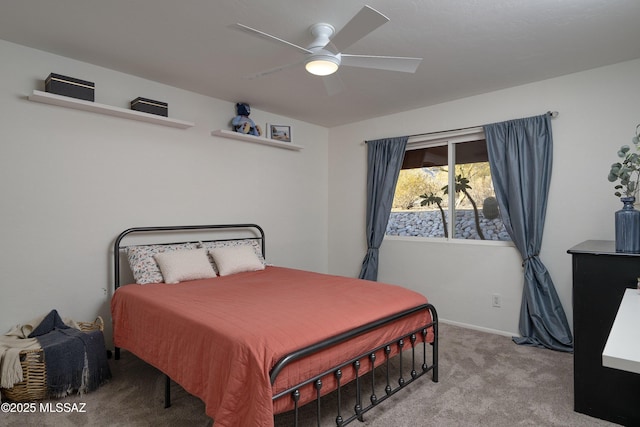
552,114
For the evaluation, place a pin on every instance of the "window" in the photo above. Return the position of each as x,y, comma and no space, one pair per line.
446,176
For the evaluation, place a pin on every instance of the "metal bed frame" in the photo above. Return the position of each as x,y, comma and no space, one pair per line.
418,368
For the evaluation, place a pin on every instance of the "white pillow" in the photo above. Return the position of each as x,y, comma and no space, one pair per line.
180,265
235,259
254,243
143,265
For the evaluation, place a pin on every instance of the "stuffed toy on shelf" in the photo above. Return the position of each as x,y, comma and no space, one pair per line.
242,123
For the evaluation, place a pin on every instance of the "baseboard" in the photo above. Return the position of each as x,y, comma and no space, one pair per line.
479,328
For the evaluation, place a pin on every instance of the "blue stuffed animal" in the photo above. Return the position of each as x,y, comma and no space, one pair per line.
242,123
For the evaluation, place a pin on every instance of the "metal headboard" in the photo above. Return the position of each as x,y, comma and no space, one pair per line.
139,230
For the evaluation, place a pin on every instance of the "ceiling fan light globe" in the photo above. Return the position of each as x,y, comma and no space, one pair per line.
323,66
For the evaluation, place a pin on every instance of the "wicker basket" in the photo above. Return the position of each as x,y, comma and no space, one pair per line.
34,371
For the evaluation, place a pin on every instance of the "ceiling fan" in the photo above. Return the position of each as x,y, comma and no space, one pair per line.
325,54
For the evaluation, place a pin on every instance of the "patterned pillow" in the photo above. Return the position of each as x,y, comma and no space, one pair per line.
143,265
253,243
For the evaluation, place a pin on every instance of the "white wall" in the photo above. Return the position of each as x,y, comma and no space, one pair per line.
70,181
599,110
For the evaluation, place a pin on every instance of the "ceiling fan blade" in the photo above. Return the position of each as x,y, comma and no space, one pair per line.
274,70
390,63
365,21
269,37
333,84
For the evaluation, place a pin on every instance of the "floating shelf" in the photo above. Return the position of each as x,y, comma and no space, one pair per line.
255,139
80,104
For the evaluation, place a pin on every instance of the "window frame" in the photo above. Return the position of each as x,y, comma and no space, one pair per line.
448,138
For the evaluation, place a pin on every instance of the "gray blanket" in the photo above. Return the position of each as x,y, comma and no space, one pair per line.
75,360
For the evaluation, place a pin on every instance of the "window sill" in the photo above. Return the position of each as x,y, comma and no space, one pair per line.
442,240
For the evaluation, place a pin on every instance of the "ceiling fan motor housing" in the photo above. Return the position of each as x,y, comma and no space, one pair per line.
322,33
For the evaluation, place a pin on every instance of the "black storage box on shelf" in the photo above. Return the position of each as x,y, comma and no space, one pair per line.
70,86
150,106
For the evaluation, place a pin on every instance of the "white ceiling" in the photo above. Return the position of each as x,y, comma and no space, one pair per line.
469,46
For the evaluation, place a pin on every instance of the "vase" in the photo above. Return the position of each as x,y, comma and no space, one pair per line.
628,227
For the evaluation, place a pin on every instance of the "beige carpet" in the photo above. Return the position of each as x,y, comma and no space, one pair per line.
485,380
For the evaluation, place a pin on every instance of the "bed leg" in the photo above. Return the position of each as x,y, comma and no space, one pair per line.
117,353
318,386
435,363
435,352
167,391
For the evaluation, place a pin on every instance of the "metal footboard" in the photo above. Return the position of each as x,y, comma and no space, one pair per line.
405,343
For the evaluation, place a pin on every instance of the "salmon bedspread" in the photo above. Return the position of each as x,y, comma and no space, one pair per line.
219,338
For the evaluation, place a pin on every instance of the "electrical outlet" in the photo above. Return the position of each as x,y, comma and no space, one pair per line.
495,300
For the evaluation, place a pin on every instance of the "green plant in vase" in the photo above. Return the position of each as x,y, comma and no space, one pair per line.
627,171
627,220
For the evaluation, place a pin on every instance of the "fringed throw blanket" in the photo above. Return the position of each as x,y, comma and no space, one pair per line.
75,360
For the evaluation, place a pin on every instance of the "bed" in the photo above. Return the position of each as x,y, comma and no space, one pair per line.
253,340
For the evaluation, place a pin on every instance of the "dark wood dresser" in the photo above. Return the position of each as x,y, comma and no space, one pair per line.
600,277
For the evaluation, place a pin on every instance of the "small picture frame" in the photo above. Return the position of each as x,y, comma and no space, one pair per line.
279,132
